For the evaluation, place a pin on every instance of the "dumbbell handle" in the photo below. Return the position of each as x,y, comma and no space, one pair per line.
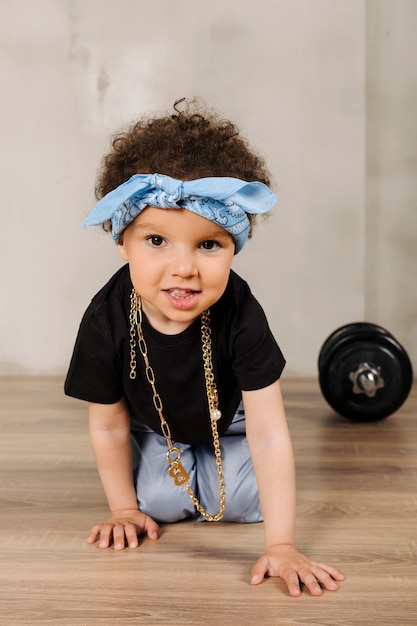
367,379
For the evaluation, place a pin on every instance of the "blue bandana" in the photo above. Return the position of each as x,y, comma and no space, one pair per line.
224,201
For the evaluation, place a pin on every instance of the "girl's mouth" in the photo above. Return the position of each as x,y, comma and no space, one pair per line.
182,298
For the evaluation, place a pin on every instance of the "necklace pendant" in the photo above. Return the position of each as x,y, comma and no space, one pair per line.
215,415
178,473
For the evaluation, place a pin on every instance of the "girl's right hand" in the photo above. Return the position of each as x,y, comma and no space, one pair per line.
123,528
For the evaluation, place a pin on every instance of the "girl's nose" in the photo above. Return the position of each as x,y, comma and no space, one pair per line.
183,264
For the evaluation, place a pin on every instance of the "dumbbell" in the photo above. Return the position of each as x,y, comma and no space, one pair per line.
365,374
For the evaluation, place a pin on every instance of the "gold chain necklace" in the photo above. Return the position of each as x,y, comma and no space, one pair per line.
176,469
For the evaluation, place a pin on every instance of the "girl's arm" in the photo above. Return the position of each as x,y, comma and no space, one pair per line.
273,460
110,438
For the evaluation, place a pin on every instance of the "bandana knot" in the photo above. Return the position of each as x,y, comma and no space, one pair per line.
172,188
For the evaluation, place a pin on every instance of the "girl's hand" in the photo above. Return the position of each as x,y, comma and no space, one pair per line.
294,568
124,527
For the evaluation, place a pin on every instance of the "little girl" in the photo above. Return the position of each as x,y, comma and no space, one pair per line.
175,356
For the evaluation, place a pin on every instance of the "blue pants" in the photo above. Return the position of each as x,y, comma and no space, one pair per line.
165,502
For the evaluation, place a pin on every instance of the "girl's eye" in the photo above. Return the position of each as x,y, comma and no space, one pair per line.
155,240
209,245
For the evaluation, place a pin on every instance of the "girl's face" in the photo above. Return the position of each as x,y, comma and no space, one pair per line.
179,264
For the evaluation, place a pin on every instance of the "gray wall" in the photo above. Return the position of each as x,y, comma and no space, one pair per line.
325,89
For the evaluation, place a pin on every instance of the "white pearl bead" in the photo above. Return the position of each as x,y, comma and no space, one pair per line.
215,414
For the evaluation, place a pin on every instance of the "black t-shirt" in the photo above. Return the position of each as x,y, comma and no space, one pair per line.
245,357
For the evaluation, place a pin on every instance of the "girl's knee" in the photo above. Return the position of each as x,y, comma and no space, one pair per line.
165,503
242,499
156,492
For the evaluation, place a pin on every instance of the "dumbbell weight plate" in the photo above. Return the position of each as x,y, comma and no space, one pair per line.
348,332
373,350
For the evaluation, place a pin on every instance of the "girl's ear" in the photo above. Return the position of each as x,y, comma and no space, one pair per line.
122,248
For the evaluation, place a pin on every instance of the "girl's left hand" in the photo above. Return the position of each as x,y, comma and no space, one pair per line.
295,568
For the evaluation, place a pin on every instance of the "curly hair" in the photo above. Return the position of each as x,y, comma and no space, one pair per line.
194,142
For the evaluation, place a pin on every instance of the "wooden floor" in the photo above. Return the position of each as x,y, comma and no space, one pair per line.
357,509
